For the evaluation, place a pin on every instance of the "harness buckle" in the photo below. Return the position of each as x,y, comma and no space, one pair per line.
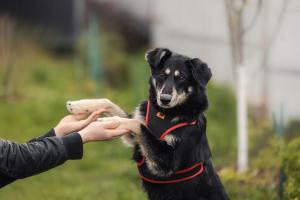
160,115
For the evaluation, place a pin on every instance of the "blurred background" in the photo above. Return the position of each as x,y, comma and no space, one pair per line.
59,50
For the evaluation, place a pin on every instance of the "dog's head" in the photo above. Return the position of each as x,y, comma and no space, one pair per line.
176,79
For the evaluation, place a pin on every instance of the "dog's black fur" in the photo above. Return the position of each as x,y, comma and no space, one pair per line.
191,143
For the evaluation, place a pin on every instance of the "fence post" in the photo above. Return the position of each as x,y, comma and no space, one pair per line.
94,57
242,164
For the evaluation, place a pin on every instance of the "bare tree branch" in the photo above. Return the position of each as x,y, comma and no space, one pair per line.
267,51
230,21
273,37
254,18
269,44
239,5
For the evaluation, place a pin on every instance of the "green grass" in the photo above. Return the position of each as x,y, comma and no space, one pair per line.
42,84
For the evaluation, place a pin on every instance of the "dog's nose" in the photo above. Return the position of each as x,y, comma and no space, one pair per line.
165,98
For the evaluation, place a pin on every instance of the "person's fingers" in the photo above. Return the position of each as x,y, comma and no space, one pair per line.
116,132
93,117
82,116
100,111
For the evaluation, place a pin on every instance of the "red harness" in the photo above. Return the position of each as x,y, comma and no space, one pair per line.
160,126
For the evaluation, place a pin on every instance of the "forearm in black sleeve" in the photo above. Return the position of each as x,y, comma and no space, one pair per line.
23,160
50,133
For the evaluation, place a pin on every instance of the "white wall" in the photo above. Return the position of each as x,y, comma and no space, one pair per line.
198,28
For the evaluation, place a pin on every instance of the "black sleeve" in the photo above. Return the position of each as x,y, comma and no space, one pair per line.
36,156
50,133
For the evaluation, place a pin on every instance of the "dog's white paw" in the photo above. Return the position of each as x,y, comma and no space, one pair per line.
133,125
87,105
128,139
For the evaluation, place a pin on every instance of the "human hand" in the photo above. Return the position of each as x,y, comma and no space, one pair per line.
101,131
74,123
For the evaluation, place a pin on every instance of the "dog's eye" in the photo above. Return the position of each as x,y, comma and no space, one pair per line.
162,74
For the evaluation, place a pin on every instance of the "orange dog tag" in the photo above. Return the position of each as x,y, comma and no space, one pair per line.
160,115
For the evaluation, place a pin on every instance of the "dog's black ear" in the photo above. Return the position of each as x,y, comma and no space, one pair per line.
201,72
156,56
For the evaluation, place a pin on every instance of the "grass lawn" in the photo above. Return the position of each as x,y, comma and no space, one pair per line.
42,86
106,171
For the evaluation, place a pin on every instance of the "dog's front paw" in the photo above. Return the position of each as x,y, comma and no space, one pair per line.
87,105
132,125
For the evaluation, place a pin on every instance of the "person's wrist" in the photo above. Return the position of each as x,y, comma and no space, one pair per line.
58,132
83,136
74,145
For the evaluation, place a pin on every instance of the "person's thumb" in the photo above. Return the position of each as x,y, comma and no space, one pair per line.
116,132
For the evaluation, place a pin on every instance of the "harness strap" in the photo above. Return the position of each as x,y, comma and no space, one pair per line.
175,127
147,113
180,175
169,130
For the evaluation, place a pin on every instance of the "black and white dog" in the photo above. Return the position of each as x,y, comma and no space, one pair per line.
169,129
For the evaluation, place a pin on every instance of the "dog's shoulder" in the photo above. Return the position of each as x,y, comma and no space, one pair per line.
140,111
143,106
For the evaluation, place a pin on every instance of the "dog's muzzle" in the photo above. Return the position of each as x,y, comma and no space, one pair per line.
165,98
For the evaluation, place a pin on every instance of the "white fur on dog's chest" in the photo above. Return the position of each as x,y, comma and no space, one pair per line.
170,139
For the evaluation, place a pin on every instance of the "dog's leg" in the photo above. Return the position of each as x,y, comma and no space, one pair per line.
130,139
161,158
132,125
91,105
